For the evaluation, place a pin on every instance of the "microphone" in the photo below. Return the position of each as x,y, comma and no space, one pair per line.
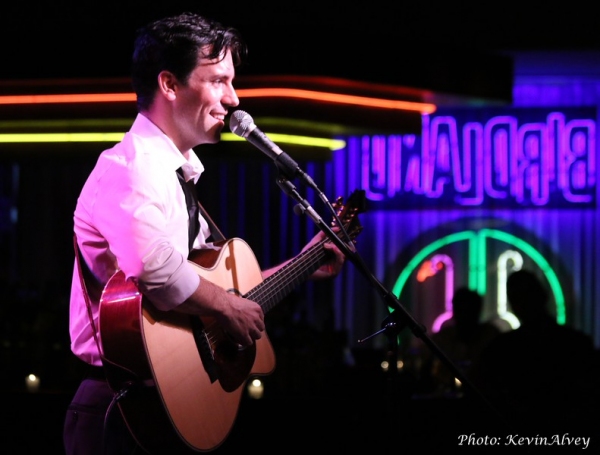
242,124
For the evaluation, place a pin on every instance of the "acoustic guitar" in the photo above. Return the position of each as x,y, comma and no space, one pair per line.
178,378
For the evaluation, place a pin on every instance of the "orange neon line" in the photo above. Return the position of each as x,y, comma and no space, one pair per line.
72,98
242,93
337,98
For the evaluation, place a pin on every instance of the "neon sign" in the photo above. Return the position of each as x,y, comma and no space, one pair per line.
501,157
428,261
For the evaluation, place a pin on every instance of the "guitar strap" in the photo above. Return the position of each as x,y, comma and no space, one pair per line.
215,232
92,290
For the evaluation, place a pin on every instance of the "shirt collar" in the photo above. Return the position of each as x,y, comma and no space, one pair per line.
192,167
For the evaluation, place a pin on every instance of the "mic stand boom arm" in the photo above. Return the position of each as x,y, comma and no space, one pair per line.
399,317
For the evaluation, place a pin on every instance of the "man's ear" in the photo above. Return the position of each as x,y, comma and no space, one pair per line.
167,85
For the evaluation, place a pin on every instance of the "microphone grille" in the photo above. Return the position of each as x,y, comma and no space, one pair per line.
241,123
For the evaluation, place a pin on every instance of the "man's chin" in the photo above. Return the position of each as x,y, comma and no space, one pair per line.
214,135
210,139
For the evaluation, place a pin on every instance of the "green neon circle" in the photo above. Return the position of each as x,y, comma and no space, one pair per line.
471,236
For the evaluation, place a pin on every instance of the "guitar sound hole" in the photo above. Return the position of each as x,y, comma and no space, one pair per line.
204,348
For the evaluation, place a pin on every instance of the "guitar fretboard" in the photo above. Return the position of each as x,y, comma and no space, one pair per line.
274,288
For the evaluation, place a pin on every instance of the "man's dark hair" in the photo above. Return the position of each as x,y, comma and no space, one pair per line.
175,44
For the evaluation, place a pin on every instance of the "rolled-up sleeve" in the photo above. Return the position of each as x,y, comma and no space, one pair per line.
147,226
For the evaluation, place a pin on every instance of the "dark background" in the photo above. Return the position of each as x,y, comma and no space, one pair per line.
422,44
452,47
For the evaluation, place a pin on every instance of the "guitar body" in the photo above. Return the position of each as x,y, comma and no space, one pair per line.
179,378
187,377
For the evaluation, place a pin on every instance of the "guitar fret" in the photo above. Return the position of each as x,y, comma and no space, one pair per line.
276,287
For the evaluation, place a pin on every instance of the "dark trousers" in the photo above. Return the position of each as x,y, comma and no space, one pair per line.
94,425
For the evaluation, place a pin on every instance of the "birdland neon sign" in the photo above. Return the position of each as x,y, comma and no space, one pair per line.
496,157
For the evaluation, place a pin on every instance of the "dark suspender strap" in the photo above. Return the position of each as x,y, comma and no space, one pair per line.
191,200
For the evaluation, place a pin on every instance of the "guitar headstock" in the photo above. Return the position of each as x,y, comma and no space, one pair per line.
347,212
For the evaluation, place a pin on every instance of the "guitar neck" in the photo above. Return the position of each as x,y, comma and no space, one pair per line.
273,289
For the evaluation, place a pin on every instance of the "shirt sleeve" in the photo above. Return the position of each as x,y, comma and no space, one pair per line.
146,227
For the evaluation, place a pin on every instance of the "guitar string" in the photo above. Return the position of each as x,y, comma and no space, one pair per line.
294,269
265,291
267,294
270,302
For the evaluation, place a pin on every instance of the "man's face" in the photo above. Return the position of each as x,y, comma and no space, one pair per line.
204,102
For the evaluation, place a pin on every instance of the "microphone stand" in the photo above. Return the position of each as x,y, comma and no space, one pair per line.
399,318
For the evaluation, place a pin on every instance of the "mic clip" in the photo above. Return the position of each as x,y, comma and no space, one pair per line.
303,206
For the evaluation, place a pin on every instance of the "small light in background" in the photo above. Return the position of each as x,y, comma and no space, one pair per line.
32,382
255,388
385,365
457,383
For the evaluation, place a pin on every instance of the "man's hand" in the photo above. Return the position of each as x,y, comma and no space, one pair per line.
242,319
334,265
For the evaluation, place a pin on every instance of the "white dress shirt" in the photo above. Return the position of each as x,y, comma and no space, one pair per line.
132,215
